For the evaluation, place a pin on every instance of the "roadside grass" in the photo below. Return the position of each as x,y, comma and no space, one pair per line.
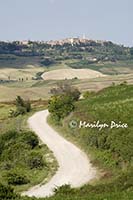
19,124
114,103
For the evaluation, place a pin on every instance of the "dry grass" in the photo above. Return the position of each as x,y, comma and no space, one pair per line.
14,73
34,90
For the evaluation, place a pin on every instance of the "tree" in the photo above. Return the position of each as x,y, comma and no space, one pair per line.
62,101
60,106
65,88
131,51
22,107
19,101
47,62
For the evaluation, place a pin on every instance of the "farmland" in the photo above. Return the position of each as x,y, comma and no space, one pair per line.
21,70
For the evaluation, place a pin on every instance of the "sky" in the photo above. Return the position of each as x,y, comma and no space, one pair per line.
57,19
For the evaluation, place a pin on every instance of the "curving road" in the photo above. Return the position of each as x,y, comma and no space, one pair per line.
74,166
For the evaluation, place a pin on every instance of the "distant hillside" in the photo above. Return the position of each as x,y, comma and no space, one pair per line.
73,48
102,56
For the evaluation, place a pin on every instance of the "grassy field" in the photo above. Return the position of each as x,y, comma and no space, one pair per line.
25,68
12,160
16,74
109,68
110,150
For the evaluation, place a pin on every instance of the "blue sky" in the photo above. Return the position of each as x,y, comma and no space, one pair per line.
57,19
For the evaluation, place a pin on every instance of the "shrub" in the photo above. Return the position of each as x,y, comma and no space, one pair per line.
31,139
22,107
16,179
64,189
36,160
6,192
88,94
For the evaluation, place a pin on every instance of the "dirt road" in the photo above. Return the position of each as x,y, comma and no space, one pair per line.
74,166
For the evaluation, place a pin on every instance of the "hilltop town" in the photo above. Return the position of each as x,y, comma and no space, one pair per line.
61,42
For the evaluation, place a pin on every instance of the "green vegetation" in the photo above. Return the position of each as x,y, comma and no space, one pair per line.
88,94
60,106
102,50
22,107
105,67
21,153
89,54
62,102
21,157
7,192
110,150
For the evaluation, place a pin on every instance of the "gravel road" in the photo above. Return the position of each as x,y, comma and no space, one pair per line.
74,166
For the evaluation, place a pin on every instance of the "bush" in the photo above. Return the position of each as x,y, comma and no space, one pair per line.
16,179
6,192
64,189
36,161
88,94
4,138
22,107
31,139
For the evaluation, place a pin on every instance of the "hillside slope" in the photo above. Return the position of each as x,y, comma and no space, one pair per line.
62,74
110,149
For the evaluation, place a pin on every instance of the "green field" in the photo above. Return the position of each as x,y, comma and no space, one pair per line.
110,150
109,68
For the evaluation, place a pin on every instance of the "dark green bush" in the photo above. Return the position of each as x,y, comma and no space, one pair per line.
35,160
31,139
64,189
16,179
7,192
